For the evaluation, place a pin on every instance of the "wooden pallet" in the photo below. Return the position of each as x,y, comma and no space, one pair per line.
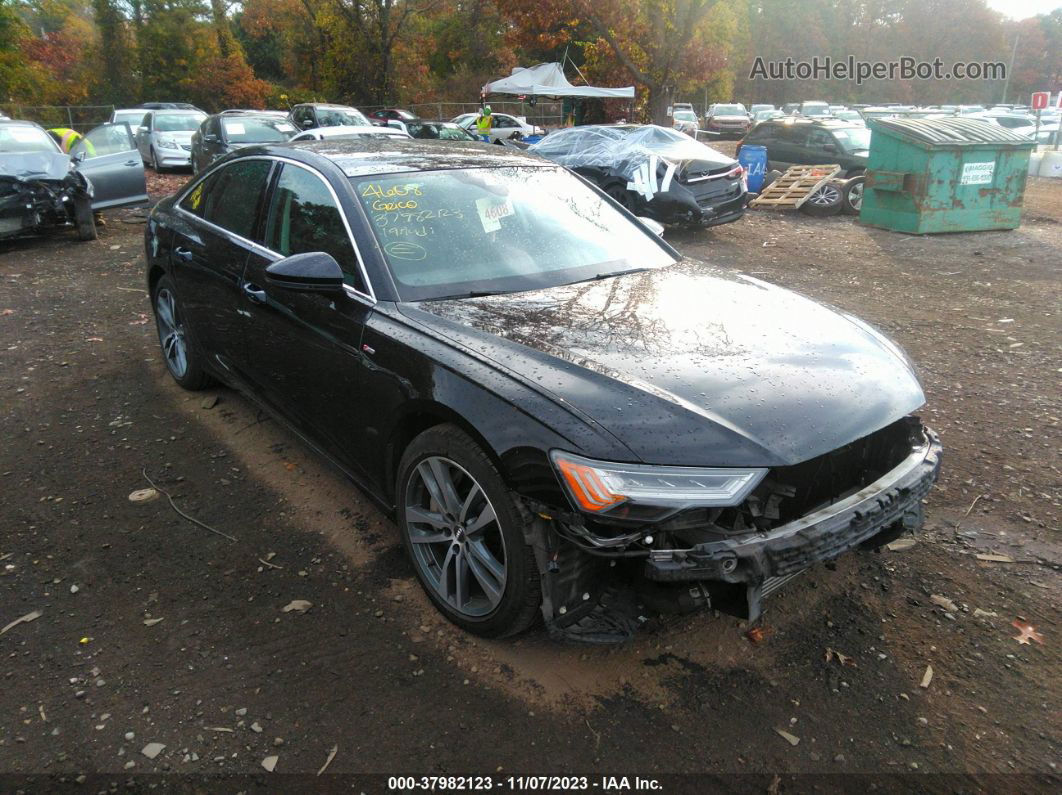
792,189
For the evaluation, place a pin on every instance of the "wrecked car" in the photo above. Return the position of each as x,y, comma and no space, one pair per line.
565,417
653,171
43,188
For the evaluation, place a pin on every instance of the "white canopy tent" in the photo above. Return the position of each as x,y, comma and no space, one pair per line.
548,80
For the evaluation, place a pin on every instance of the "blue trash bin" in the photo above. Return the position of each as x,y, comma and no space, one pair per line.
754,159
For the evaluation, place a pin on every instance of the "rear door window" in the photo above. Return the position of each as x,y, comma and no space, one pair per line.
305,216
233,199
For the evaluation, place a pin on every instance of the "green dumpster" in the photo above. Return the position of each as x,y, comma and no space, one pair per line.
944,175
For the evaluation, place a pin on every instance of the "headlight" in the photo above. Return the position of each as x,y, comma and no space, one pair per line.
598,487
168,143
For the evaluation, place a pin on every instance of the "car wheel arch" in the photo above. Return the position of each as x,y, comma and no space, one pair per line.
417,418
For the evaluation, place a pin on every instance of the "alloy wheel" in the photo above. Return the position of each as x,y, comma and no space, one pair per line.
855,196
455,536
825,196
171,333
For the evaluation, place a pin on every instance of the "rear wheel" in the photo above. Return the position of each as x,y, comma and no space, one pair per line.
181,360
826,200
465,535
84,219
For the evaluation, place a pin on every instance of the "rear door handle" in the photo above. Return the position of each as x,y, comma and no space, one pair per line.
254,293
134,163
183,254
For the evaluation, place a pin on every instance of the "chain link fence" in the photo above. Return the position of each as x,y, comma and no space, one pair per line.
78,117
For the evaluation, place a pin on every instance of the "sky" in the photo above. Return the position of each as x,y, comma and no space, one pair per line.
1019,9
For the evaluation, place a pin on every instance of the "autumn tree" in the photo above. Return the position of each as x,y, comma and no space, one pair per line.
114,79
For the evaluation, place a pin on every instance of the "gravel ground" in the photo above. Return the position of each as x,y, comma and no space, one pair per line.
150,629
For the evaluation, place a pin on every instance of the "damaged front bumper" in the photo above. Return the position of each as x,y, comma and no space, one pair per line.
761,561
29,206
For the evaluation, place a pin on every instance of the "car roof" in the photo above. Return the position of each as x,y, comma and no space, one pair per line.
365,156
21,122
831,124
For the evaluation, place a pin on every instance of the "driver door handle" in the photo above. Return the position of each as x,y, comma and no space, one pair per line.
183,254
254,293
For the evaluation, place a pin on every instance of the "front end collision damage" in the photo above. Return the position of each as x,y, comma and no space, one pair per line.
30,205
584,568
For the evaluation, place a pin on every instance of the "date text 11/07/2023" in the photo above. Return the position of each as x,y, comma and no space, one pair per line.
523,784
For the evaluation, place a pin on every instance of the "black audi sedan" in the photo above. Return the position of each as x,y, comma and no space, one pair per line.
563,415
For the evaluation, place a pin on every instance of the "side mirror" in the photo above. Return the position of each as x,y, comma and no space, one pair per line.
829,148
306,124
653,226
78,156
314,270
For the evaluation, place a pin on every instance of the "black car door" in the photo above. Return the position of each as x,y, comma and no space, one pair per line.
209,255
302,349
108,157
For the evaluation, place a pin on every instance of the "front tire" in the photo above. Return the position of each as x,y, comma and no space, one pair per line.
464,532
85,220
181,359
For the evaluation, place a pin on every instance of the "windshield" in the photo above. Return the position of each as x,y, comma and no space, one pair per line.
131,117
729,110
23,138
178,122
246,129
853,139
485,230
443,132
685,115
341,117
813,109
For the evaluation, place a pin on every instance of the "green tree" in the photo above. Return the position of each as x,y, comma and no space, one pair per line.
115,79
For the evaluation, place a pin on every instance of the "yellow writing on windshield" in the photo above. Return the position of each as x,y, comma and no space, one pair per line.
384,206
376,191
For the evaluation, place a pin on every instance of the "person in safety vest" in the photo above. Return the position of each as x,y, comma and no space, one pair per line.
65,137
484,122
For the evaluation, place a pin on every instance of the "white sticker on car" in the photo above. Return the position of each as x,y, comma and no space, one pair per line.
491,211
235,128
644,181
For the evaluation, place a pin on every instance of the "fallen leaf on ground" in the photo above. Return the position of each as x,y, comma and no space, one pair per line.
843,659
900,544
945,602
927,677
792,739
150,622
979,613
995,558
22,620
328,761
758,635
1027,632
297,604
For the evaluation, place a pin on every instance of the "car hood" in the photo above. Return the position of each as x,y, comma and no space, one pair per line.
689,365
183,136
35,165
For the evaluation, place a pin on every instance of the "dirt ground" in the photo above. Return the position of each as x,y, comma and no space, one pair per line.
151,629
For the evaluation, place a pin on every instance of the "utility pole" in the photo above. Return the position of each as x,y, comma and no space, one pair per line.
1013,55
